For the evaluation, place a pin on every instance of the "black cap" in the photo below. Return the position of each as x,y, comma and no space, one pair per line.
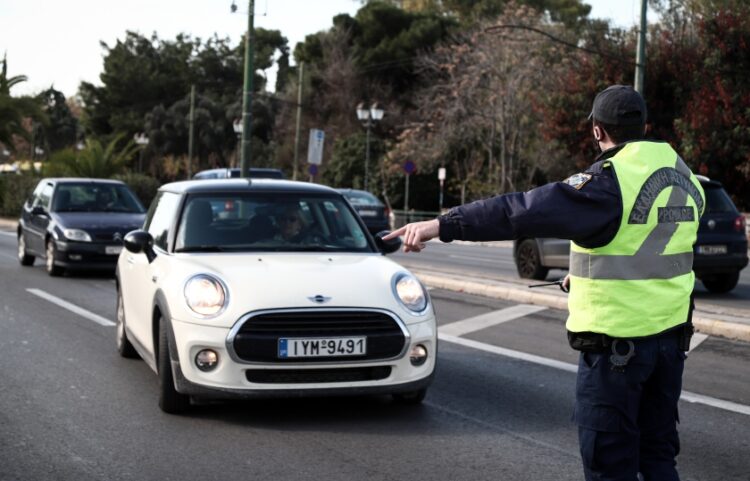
619,105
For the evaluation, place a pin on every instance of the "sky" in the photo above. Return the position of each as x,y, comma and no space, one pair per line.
57,42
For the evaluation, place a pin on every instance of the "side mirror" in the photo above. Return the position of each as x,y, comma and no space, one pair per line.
138,241
39,210
387,246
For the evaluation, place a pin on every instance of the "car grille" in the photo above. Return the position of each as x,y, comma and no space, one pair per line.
297,376
257,340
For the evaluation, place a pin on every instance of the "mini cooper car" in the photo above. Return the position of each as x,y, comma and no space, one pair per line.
242,288
77,224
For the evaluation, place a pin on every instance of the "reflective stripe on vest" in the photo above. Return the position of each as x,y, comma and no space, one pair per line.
649,262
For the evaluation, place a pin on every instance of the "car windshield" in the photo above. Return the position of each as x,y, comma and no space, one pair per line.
362,198
717,201
95,197
269,223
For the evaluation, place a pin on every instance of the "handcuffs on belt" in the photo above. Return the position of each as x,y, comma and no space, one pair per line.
619,361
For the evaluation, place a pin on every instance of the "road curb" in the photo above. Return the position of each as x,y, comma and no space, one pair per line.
705,325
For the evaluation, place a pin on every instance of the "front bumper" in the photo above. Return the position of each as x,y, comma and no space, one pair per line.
230,378
87,255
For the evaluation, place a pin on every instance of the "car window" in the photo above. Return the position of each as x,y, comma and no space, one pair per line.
32,200
269,223
42,200
717,200
160,217
362,198
95,197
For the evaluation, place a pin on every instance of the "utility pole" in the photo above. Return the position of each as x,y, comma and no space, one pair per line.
247,92
640,56
190,134
299,118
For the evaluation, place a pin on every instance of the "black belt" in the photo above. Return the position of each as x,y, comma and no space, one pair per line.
595,342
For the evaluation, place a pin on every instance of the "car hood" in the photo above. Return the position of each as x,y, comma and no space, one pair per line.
99,221
292,281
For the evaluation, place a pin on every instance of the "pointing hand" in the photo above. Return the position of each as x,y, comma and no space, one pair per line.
416,234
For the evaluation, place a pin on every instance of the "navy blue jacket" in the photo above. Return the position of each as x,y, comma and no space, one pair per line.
589,215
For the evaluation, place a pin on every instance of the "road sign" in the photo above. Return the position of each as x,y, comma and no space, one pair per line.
313,169
441,173
410,167
315,147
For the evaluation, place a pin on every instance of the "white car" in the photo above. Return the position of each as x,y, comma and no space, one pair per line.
239,288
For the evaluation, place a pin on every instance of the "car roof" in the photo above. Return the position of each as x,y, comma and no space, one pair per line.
209,186
81,180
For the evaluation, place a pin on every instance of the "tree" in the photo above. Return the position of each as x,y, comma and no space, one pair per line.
13,110
94,160
62,128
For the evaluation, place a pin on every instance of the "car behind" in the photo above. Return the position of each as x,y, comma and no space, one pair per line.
77,224
374,213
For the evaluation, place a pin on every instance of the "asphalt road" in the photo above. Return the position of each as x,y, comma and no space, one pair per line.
496,262
71,408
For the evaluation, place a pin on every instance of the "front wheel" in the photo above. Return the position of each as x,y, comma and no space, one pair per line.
170,401
23,257
722,283
410,398
52,269
529,262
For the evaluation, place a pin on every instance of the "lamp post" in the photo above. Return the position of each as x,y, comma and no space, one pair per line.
368,117
237,126
142,140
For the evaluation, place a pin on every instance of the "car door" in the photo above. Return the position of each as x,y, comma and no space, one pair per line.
138,276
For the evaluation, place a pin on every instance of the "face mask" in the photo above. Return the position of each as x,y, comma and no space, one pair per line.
597,149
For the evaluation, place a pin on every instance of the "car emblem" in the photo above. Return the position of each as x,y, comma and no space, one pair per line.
319,299
711,224
117,237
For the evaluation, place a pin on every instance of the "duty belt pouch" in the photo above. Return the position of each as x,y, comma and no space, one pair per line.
588,341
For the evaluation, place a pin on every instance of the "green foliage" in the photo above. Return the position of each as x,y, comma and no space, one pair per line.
144,186
14,190
13,110
95,160
346,168
61,130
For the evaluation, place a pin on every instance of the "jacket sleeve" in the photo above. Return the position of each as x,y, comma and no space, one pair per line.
589,213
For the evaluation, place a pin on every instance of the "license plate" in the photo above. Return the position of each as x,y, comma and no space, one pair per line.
322,347
112,250
712,250
368,213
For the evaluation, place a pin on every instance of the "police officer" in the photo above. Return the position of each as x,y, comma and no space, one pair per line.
633,219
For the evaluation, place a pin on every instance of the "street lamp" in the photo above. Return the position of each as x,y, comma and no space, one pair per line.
368,117
237,126
142,140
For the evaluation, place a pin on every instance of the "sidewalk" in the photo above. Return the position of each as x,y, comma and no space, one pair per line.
708,319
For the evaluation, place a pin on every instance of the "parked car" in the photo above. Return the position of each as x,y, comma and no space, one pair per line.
77,223
373,212
255,173
283,295
720,251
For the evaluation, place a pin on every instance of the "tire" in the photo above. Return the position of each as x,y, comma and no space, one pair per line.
528,261
124,347
23,257
410,398
52,269
722,283
170,401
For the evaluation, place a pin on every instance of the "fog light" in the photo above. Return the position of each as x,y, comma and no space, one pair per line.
75,257
206,360
418,355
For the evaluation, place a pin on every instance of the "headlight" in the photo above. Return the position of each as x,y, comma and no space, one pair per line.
205,295
77,235
410,292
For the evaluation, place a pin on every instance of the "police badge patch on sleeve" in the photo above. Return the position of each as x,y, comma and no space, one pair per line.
577,181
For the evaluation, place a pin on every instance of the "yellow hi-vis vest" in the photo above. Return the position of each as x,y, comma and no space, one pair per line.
640,283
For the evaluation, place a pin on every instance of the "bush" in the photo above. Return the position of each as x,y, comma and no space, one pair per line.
143,186
14,190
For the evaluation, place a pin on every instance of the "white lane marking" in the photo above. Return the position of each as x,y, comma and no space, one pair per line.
697,340
489,319
71,307
9,234
566,366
